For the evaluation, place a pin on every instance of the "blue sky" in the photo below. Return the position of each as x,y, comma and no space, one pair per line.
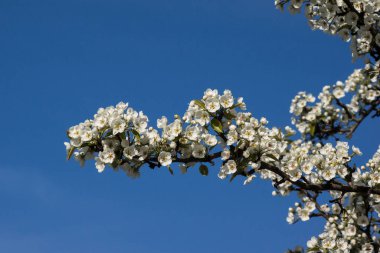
61,60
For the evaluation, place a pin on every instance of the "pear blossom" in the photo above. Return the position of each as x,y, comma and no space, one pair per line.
165,158
316,164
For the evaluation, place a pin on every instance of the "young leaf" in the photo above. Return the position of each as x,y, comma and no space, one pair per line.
203,169
233,177
312,130
70,153
137,135
123,136
171,170
200,104
217,125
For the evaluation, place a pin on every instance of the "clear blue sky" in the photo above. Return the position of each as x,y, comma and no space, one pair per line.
61,60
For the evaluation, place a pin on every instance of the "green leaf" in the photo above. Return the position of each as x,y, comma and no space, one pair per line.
136,134
233,177
203,169
70,153
170,170
200,104
217,125
312,130
123,136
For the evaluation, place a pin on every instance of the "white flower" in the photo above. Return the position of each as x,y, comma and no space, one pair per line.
372,95
350,231
310,206
140,122
107,156
212,104
232,136
99,165
263,121
328,174
241,104
193,133
161,123
165,158
328,243
338,92
342,244
100,121
121,106
222,175
356,150
129,152
367,248
75,132
202,117
210,140
345,34
304,214
118,126
227,100
312,243
352,18
199,151
209,93
248,132
173,130
225,154
86,135
76,142
229,167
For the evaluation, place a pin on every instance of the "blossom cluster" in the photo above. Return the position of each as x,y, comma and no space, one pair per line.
352,220
357,21
341,107
216,126
346,228
117,136
120,137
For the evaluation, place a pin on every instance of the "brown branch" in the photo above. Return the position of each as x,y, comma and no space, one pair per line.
365,114
329,186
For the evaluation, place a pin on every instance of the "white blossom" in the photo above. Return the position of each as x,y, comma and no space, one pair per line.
165,158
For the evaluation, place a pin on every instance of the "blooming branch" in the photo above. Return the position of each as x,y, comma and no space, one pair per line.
216,128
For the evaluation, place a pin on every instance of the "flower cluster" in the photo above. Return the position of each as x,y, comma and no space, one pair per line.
120,137
316,163
351,224
352,220
328,183
348,227
340,108
216,127
357,21
117,136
